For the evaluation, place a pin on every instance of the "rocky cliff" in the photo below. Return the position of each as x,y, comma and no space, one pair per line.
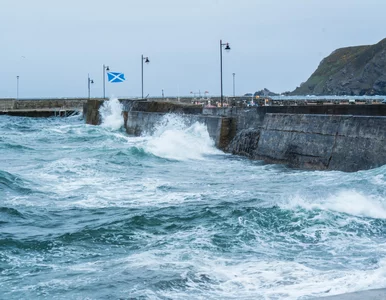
357,70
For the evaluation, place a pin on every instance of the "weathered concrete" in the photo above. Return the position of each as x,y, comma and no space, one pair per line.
7,104
228,129
91,111
49,103
161,107
41,108
253,117
360,144
245,143
323,142
221,130
309,141
41,113
142,117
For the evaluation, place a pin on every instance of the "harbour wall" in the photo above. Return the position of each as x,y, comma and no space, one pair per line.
220,129
319,142
253,117
12,104
338,137
41,108
142,117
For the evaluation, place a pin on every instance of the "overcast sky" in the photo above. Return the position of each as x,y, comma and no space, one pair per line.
276,44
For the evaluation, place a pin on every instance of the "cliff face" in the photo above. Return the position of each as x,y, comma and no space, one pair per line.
357,70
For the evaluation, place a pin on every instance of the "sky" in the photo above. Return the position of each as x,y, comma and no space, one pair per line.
52,45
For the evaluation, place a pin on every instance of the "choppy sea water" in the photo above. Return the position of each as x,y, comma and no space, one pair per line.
88,212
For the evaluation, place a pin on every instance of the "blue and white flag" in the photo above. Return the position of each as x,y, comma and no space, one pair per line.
115,77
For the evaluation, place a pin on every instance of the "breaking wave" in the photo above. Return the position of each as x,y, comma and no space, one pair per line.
349,202
111,114
177,139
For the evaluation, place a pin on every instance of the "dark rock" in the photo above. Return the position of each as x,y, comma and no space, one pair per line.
265,93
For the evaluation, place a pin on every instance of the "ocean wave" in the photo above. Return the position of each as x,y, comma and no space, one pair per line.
111,114
13,182
26,244
155,216
183,273
175,139
349,202
14,147
10,215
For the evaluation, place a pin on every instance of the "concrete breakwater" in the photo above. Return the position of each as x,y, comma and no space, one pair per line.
41,108
220,129
322,142
341,137
253,117
143,116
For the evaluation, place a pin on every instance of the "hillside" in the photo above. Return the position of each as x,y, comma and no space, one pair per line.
357,70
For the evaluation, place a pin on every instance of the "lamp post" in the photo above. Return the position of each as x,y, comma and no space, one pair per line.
89,83
146,59
227,48
234,93
17,87
105,68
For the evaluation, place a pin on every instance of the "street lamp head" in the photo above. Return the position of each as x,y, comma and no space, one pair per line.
227,48
107,68
91,81
147,60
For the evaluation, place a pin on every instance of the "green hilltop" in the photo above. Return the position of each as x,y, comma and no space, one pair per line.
359,70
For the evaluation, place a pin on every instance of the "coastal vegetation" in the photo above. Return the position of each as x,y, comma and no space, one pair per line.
355,71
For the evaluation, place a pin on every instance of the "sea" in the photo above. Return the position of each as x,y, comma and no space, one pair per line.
90,212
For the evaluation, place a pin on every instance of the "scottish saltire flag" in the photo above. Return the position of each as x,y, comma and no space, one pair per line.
115,77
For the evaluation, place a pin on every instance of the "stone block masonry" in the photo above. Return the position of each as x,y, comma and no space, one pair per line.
345,138
221,130
41,108
91,111
142,117
322,142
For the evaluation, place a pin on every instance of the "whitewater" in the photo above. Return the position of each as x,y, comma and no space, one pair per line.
89,212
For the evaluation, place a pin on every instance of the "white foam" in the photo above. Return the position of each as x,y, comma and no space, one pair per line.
379,179
252,278
111,114
346,201
174,139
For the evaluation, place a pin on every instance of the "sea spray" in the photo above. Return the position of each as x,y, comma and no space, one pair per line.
177,138
111,114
